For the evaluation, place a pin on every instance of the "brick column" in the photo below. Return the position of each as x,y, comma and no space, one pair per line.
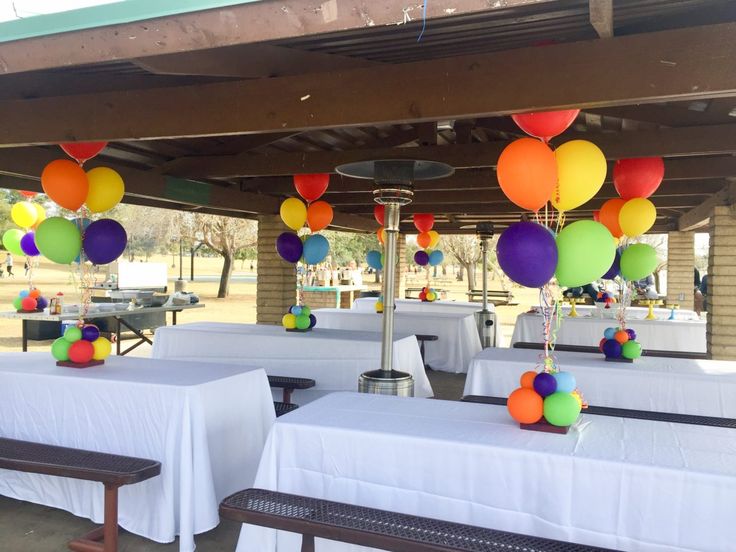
721,292
276,281
680,268
401,266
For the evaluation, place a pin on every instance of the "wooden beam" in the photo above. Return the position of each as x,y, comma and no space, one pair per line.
698,216
689,63
601,17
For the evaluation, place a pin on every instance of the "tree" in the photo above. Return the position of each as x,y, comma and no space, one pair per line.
349,246
150,230
466,250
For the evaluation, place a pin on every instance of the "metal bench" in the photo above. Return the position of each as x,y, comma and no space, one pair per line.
495,296
380,529
421,338
282,408
112,470
288,384
596,350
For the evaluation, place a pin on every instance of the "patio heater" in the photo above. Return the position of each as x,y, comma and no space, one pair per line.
485,319
394,179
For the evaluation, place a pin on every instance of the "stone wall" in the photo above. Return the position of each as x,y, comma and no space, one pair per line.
276,283
721,292
680,268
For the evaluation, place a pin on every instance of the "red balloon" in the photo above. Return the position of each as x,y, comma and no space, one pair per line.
28,303
26,193
378,212
82,151
545,124
638,177
424,221
597,215
311,186
81,351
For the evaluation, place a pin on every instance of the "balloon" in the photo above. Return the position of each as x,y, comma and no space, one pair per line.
373,258
600,344
525,406
17,303
423,240
311,186
306,311
11,241
527,254
638,261
431,296
28,304
288,321
545,124
378,213
73,333
90,332
312,321
23,293
565,382
609,333
60,349
289,247
585,252
435,238
612,348
26,193
81,351
637,216
527,379
82,224
527,173
101,348
381,233
24,214
545,384
302,321
34,293
66,183
293,213
423,221
106,189
421,258
319,215
597,215
296,310
436,257
581,170
58,240
632,334
631,349
316,248
82,151
621,336
608,216
638,177
615,268
104,241
40,214
28,245
41,303
561,409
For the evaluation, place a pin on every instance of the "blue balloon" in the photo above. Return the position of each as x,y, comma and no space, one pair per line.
615,269
81,224
565,382
612,349
316,248
23,293
296,310
436,257
373,258
609,333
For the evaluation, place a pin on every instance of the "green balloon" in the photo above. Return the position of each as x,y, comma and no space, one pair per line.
11,241
306,311
60,349
18,303
302,322
561,409
631,349
585,252
72,334
59,240
638,261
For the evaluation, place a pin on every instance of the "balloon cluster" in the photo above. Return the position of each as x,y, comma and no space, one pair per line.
428,295
620,343
81,344
299,319
548,395
316,214
427,240
605,298
28,216
30,301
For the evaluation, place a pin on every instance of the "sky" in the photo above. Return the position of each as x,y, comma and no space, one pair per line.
14,9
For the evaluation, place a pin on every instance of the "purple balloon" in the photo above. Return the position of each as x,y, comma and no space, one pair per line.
41,303
612,349
104,241
527,254
290,247
90,332
632,334
421,258
312,321
545,384
28,244
615,269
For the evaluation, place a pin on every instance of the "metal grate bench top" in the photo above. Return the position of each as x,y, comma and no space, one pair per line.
628,413
597,351
284,408
376,528
288,384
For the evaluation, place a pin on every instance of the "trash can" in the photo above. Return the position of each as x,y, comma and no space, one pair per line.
386,383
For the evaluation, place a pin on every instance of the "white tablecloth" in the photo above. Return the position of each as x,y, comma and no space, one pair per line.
634,313
415,305
206,424
660,335
632,485
458,336
685,386
333,358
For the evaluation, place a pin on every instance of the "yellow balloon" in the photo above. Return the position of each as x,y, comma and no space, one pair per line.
102,348
581,170
40,214
434,239
293,213
106,189
637,216
24,214
288,321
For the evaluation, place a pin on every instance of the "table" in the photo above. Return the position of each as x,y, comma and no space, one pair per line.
458,336
122,317
205,423
678,385
634,313
368,304
661,335
333,358
626,484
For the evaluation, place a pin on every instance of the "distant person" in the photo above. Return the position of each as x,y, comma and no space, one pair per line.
26,267
704,291
9,264
646,287
591,289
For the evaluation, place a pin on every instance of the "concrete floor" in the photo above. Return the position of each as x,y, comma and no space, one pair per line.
26,527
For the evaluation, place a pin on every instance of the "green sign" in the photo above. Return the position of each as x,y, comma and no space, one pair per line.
187,191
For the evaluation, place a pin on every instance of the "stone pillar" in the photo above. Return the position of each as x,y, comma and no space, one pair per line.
401,266
680,268
276,281
721,292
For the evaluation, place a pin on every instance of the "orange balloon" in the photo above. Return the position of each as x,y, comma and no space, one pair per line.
424,240
608,216
621,336
319,215
527,379
527,173
381,233
525,405
34,293
66,183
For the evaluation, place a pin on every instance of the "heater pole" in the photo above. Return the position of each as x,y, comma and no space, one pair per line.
484,251
391,219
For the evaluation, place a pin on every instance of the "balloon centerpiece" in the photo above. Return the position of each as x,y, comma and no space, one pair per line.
429,255
30,300
620,345
299,319
81,346
604,300
428,295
